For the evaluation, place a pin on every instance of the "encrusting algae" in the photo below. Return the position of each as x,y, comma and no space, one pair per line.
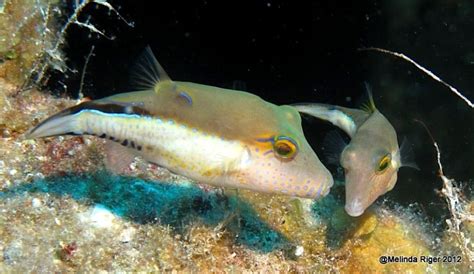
60,211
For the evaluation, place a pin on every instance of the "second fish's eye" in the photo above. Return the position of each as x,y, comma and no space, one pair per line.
384,163
285,147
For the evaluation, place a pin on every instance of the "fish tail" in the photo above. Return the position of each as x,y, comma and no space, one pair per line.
66,122
337,116
85,118
59,124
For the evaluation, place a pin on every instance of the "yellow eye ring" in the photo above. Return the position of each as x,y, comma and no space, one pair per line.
285,147
384,163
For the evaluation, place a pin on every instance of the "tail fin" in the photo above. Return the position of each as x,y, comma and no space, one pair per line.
68,120
336,115
62,123
59,124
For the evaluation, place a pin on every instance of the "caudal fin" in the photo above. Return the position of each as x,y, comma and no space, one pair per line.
59,124
62,123
336,115
71,120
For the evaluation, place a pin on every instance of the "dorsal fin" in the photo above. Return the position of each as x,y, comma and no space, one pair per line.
368,106
147,72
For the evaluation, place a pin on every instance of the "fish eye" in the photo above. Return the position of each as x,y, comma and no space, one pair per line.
384,163
285,147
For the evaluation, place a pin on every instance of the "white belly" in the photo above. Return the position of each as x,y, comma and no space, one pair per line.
184,150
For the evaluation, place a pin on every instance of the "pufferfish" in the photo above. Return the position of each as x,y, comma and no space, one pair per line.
212,135
372,158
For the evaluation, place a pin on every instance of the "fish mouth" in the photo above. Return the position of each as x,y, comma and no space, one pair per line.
354,209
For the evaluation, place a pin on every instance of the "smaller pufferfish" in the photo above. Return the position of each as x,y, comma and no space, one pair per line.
371,159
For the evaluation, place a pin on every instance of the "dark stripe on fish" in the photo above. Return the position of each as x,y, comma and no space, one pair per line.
110,108
264,140
125,143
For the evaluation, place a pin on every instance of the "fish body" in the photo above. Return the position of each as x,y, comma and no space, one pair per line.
213,135
372,158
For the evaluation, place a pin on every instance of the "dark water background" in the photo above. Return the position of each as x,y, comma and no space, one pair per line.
296,51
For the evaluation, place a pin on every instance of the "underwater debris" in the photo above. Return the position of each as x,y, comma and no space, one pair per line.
83,74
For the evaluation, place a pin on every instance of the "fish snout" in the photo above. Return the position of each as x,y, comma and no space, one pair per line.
327,180
316,182
323,181
354,208
358,193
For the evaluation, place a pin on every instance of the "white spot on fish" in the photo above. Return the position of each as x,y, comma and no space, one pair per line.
354,208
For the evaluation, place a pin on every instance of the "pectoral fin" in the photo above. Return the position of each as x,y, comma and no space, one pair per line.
118,158
333,145
407,156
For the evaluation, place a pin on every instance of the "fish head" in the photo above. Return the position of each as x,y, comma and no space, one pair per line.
282,161
371,162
